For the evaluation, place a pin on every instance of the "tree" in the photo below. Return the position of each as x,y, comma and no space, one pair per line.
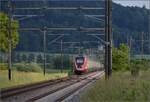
31,58
48,58
4,38
58,64
120,58
39,59
14,55
18,58
24,58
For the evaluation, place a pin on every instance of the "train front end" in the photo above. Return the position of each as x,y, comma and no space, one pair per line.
81,65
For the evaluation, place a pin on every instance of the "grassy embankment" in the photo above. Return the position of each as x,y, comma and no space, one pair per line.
122,87
25,75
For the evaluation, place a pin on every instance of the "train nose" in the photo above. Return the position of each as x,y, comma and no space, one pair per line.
79,66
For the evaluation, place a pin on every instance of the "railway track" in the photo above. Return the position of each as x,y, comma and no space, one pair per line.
63,97
41,92
24,88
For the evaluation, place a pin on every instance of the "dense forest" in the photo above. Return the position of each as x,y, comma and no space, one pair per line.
127,22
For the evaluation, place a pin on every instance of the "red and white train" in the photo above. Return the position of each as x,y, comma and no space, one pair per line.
80,64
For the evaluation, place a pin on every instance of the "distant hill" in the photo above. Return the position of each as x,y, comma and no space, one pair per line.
127,21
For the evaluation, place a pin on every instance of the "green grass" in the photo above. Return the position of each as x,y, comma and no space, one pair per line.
19,78
122,87
3,66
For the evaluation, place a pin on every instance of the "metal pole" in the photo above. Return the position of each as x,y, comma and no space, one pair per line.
9,40
44,50
149,40
106,39
130,48
142,45
110,38
61,56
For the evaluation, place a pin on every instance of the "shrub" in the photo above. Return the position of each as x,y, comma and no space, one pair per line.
3,66
135,69
137,65
145,64
24,58
66,62
31,58
39,59
28,67
49,66
120,58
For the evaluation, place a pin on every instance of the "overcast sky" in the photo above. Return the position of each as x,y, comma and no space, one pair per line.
139,3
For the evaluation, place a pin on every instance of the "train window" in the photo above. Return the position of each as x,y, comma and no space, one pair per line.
80,60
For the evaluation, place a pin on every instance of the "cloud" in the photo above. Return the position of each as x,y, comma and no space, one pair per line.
138,3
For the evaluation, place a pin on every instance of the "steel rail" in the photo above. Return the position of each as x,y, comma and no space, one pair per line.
24,88
58,89
76,89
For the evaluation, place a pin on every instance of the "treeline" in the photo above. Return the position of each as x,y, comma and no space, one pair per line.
28,58
52,61
35,62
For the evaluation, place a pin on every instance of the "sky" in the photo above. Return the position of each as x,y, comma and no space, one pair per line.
139,3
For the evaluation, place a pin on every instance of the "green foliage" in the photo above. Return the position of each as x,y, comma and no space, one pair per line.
48,58
120,88
137,65
4,26
13,56
120,58
145,64
18,58
58,64
67,62
31,58
135,69
23,78
39,58
24,58
3,66
27,67
123,19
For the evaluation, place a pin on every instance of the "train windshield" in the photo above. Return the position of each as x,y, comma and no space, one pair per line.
80,60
